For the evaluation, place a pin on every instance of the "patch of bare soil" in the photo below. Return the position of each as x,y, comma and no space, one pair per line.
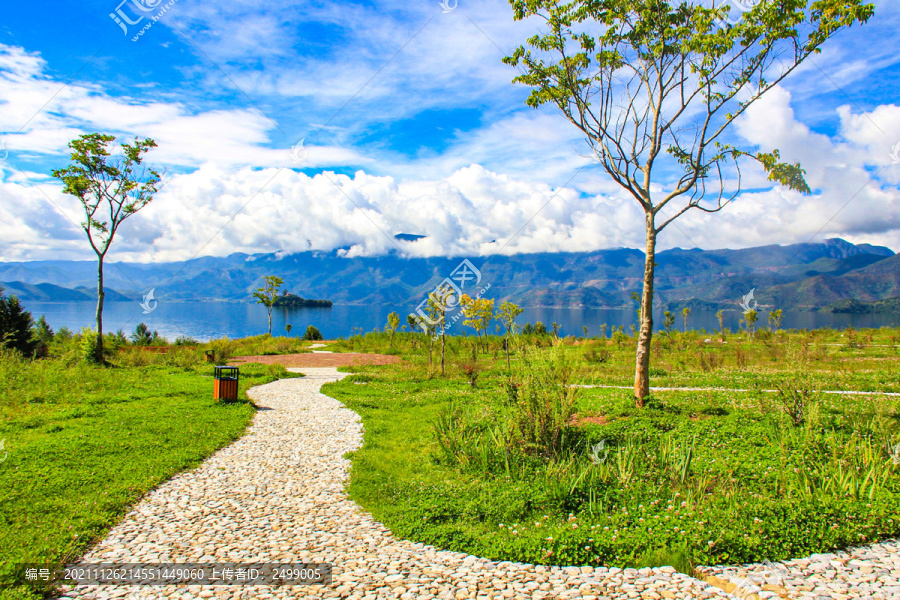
318,359
578,420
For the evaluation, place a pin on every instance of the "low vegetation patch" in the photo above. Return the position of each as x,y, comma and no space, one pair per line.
524,466
82,443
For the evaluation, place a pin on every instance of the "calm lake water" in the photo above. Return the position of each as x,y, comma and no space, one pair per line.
208,320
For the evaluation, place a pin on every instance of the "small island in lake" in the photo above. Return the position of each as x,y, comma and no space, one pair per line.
294,301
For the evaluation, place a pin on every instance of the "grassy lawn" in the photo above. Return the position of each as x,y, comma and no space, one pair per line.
83,443
693,478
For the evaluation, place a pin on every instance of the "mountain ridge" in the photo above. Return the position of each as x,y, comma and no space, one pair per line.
794,277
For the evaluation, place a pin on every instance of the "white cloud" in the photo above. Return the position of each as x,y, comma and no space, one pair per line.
41,115
471,198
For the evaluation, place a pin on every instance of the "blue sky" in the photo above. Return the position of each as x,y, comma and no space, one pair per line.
409,124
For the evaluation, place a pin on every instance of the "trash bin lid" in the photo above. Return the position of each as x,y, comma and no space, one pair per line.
222,370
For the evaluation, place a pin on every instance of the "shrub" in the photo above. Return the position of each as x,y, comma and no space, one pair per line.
112,342
222,349
43,337
709,361
88,345
546,402
312,334
593,355
797,398
511,387
470,372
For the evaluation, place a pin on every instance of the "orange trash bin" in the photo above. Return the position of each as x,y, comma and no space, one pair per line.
225,383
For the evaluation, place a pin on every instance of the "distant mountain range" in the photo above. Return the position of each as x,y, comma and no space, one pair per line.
795,277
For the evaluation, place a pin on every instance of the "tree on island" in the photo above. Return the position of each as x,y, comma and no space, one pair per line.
267,294
292,300
110,189
655,89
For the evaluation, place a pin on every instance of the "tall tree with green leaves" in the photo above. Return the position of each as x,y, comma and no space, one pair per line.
775,318
507,315
111,188
686,315
668,321
655,86
393,324
438,301
268,294
750,318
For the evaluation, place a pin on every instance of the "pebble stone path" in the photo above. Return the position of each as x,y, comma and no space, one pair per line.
277,495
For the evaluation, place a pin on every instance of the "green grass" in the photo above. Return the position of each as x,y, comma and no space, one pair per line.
84,443
693,478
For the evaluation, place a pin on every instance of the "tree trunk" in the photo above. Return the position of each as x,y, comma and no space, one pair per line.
642,358
507,351
430,349
443,337
100,295
270,322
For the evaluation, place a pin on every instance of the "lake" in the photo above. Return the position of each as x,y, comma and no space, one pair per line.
208,320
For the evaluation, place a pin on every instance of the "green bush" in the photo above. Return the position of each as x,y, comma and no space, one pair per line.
312,334
546,402
222,349
87,344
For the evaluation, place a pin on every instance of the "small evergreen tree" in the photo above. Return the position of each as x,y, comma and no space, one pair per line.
142,335
15,326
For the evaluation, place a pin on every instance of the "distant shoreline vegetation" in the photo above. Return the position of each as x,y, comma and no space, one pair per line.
858,307
294,301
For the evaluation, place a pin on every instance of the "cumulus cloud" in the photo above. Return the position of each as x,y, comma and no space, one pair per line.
41,115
